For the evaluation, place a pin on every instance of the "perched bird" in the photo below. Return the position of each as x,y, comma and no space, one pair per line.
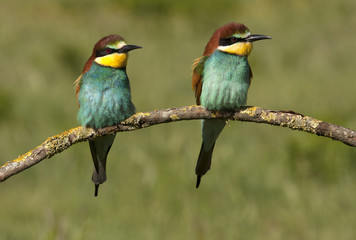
104,96
221,78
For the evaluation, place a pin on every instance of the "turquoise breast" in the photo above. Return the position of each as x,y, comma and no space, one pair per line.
104,97
226,79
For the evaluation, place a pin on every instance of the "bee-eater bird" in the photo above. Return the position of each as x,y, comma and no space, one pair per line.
104,96
221,78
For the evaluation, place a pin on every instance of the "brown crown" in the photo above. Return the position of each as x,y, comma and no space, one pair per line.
223,32
101,44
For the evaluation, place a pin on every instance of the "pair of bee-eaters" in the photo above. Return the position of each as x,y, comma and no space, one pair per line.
221,78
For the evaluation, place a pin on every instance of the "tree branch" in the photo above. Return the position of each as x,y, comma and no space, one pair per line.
62,141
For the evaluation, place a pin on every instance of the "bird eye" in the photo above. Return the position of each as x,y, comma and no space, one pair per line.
235,39
230,41
108,50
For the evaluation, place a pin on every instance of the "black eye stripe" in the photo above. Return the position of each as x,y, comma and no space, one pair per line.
230,41
104,52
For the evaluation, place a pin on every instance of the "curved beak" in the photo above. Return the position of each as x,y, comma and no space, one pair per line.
256,37
128,48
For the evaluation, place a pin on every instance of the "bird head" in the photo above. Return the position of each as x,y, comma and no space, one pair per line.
233,38
110,51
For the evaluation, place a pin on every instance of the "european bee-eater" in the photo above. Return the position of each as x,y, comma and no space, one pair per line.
221,78
104,96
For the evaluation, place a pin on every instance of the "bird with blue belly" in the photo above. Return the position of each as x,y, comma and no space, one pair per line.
221,79
104,97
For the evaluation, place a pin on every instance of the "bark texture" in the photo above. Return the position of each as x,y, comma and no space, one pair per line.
290,119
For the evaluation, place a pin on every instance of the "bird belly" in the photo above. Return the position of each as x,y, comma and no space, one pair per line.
225,83
224,96
105,108
104,101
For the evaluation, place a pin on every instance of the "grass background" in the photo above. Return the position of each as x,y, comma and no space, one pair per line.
266,182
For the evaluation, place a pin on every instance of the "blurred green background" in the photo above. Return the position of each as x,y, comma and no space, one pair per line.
266,182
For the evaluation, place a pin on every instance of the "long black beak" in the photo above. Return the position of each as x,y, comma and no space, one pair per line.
128,48
256,37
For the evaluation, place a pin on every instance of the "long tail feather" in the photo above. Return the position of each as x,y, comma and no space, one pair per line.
204,163
100,148
96,189
211,130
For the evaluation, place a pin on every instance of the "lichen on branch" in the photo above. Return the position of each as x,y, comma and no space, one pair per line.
58,143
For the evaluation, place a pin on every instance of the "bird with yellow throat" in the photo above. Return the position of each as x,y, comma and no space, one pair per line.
221,79
104,97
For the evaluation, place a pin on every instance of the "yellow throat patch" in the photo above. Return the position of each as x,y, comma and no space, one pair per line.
115,60
240,48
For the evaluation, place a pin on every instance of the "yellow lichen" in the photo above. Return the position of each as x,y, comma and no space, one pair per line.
174,117
251,111
143,114
268,116
314,123
187,109
22,157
